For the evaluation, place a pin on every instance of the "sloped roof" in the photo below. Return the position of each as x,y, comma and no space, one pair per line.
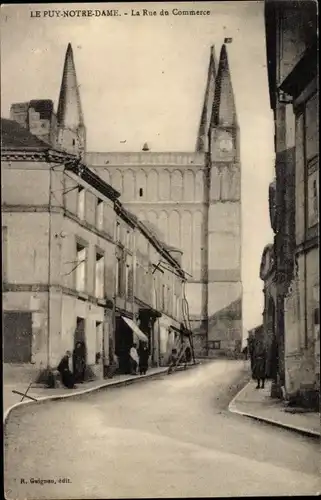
233,309
15,137
202,137
69,113
224,110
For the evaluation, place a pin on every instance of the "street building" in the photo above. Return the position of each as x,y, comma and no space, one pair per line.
77,266
192,200
267,275
292,49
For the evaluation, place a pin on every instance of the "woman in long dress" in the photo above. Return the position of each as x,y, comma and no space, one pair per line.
65,372
79,362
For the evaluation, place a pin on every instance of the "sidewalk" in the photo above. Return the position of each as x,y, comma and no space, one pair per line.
258,404
41,393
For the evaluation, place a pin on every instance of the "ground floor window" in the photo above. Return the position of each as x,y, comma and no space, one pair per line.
216,344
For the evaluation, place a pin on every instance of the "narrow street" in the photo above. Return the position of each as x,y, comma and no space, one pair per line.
167,437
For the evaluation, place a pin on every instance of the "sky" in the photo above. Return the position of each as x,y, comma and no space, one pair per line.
142,78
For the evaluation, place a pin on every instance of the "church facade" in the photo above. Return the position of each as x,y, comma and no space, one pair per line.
189,200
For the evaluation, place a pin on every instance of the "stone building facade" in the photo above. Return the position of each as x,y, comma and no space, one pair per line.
192,200
292,40
75,261
267,275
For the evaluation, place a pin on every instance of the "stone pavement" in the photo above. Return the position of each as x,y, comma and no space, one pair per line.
40,392
258,404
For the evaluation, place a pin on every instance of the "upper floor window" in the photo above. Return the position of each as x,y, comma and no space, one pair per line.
120,274
128,240
99,275
81,202
117,236
4,253
141,192
81,267
100,213
313,198
129,281
163,298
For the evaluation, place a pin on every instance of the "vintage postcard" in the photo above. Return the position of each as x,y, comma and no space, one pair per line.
160,249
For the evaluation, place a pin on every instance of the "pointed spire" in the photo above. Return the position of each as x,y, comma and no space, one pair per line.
224,111
69,114
202,138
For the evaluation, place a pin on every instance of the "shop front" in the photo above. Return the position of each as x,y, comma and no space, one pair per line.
147,323
127,333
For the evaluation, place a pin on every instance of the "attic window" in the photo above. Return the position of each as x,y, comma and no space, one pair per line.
140,192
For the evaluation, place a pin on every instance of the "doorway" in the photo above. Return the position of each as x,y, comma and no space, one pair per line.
123,343
17,337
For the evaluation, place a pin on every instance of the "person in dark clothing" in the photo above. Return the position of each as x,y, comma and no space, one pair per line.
188,354
79,362
251,354
143,358
65,372
259,368
245,352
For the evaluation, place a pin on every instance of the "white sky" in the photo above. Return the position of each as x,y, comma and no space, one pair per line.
143,79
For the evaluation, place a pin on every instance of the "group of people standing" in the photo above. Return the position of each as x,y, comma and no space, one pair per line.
72,367
139,358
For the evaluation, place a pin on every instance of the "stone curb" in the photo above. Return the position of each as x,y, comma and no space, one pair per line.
117,383
300,430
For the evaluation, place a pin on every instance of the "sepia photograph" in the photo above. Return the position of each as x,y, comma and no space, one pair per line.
160,249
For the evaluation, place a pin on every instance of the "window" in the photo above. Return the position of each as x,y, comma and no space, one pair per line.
163,297
117,236
307,157
100,214
130,284
117,277
81,267
120,275
140,192
127,242
216,344
4,253
99,275
81,203
128,279
313,198
178,308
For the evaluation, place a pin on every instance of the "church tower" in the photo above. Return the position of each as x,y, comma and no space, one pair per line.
71,131
224,237
202,137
